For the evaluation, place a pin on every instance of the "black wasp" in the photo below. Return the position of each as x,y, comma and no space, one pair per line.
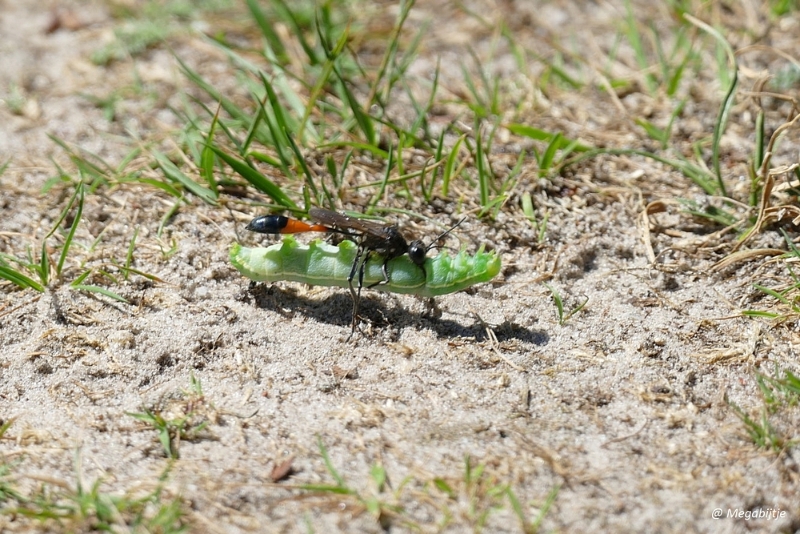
372,237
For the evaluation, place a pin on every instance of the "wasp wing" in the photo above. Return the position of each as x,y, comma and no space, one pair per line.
341,221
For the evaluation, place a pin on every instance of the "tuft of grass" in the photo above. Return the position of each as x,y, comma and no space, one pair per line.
51,269
382,507
476,496
324,99
728,71
185,420
780,399
485,95
466,501
150,24
81,508
78,507
659,134
527,209
786,296
557,151
42,268
559,303
760,431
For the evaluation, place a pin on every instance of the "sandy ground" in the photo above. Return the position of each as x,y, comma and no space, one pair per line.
622,407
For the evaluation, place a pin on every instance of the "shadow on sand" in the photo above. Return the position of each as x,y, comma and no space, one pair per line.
337,309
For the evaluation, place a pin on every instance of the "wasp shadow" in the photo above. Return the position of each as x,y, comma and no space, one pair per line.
385,311
507,331
335,309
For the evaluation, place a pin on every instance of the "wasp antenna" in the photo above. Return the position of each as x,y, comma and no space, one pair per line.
443,234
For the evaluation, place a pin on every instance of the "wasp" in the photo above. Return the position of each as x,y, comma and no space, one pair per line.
372,237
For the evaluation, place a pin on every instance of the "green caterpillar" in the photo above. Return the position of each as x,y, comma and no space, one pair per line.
322,264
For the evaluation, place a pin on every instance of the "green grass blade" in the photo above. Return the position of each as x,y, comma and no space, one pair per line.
279,129
311,186
19,279
84,164
376,198
791,383
541,135
172,172
719,129
296,28
266,26
340,483
278,143
761,314
164,186
548,503
232,109
374,150
82,277
728,101
363,120
129,270
772,293
43,269
327,488
281,115
72,229
483,174
129,255
438,159
632,32
100,290
421,121
207,167
546,161
557,301
450,166
265,158
258,180
477,105
426,191
389,58
527,206
254,131
653,131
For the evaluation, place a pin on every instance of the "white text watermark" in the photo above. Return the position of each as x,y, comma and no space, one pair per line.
747,515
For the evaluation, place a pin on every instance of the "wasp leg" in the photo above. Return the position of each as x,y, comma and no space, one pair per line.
385,276
358,266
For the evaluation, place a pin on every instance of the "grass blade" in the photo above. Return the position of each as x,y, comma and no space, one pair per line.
541,135
72,229
100,290
129,255
19,279
340,484
374,150
483,175
304,166
258,180
364,121
266,26
546,161
728,101
288,16
172,172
